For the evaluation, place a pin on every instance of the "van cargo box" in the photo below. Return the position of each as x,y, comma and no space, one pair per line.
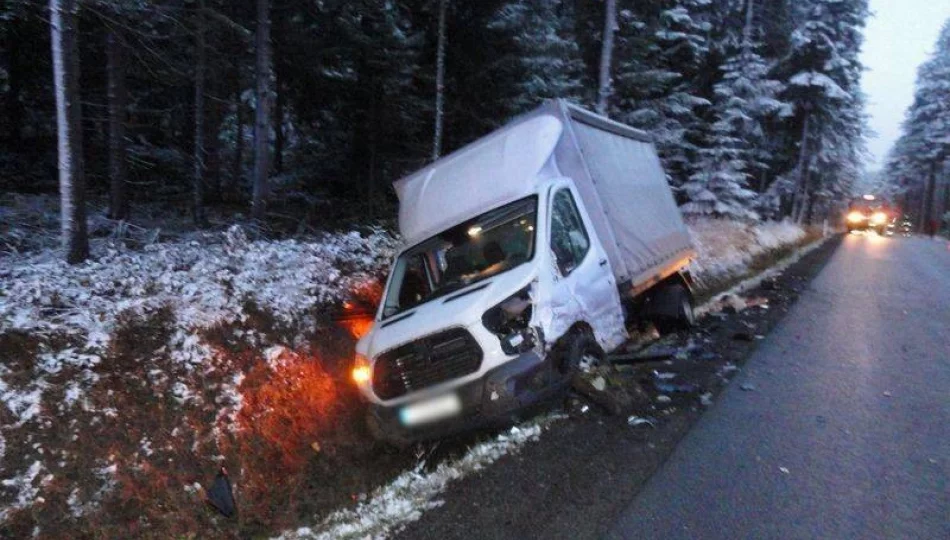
615,168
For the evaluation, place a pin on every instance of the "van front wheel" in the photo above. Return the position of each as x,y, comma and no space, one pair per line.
581,348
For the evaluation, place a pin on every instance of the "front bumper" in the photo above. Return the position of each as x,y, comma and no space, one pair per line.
494,399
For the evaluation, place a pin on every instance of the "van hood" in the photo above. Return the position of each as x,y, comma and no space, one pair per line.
462,308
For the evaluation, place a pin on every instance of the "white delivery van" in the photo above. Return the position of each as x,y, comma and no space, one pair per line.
526,253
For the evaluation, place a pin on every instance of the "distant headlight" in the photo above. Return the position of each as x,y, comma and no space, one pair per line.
879,218
855,217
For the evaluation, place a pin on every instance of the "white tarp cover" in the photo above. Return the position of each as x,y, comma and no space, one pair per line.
636,202
498,169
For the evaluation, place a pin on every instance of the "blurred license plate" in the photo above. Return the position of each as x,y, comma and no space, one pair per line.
430,410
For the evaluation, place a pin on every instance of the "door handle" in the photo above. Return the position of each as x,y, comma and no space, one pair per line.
603,262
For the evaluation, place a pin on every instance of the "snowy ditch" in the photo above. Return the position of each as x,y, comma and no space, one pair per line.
73,312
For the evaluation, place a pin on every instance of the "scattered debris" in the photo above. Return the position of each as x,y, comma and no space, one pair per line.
614,398
641,420
220,496
652,354
743,336
674,388
706,399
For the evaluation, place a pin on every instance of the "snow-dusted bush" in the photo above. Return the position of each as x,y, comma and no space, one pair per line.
203,283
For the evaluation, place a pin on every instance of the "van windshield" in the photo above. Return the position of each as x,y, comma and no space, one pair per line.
477,249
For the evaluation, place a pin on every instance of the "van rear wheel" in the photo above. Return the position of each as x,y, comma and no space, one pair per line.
679,313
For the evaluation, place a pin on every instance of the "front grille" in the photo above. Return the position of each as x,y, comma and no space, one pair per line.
426,362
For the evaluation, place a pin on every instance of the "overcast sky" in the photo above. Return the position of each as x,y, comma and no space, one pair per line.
899,37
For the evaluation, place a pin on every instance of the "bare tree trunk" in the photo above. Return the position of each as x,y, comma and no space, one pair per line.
198,180
946,193
278,126
215,114
440,82
72,182
926,213
606,52
238,163
14,106
747,28
118,112
262,120
801,191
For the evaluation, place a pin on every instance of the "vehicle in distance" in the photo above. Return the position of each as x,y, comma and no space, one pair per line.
870,213
528,252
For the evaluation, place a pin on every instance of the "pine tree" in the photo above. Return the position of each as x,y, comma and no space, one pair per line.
924,146
657,79
735,148
823,82
540,58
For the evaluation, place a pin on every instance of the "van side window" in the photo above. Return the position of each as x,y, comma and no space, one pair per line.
569,240
412,285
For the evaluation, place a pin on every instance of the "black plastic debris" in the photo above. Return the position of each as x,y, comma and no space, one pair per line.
743,336
220,496
650,355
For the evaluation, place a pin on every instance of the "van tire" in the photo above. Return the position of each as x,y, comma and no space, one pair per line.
681,315
577,346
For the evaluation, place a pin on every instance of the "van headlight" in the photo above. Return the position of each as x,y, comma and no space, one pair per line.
362,373
856,217
509,321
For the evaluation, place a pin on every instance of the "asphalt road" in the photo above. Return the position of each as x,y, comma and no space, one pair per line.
838,427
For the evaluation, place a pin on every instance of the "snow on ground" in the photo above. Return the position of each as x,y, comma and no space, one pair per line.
725,248
24,485
204,283
402,501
